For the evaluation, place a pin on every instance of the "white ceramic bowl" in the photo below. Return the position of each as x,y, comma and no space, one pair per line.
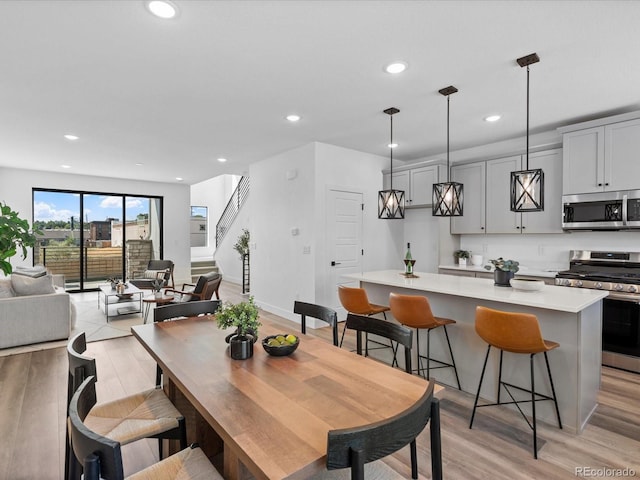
526,284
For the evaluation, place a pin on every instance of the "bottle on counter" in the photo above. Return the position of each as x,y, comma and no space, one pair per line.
407,261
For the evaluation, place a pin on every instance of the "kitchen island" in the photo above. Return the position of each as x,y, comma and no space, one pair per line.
569,316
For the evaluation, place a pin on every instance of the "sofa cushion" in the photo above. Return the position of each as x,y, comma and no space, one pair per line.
153,274
23,285
35,272
5,288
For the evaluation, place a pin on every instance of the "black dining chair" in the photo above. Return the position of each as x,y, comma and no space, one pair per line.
101,457
148,414
362,448
182,310
317,311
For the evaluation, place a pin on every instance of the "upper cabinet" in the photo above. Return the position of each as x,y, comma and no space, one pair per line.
473,178
601,158
416,182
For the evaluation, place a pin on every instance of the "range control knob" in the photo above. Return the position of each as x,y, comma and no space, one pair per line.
579,283
633,288
598,285
566,282
618,287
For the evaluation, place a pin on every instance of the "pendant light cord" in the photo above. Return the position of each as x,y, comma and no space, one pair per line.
391,150
527,117
448,168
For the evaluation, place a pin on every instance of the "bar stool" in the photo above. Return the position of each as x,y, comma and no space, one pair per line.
414,311
355,300
516,333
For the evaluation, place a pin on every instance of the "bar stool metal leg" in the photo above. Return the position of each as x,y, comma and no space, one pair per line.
553,390
453,360
533,408
475,403
500,376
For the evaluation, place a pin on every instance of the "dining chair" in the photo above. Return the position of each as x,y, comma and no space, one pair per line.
317,311
148,414
101,457
362,448
182,310
392,331
203,289
516,333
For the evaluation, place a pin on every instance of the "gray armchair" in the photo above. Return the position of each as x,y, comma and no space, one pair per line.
156,270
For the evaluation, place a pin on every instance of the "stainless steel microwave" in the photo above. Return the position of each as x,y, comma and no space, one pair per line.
601,211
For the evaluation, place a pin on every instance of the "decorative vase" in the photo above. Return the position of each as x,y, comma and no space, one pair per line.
241,346
462,262
158,294
501,278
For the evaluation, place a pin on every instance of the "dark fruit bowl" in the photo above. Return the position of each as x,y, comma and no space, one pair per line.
282,350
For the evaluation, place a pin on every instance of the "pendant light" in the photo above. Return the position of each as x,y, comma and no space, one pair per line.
391,202
527,186
447,196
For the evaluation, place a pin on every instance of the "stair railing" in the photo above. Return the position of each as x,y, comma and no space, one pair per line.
238,197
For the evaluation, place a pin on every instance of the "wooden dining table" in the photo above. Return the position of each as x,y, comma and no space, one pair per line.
269,416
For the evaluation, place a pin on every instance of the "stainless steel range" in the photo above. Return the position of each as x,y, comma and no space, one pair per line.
619,273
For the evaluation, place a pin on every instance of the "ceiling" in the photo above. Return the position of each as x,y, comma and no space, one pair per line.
155,99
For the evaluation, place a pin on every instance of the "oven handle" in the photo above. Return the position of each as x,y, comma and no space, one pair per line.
624,297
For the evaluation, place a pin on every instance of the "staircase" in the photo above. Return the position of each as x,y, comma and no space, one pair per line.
201,267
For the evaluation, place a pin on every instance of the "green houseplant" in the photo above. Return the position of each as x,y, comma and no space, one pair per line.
14,235
504,271
243,316
462,256
242,245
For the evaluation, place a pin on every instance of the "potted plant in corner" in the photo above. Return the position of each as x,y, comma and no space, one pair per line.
462,256
243,316
14,235
504,271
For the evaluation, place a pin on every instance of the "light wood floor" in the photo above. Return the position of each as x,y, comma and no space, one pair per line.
33,396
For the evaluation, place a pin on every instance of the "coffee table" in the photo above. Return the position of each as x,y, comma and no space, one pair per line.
131,295
159,301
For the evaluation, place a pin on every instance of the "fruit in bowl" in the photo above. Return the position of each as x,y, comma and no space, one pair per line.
280,345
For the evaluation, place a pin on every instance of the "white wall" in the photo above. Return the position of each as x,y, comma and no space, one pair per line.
213,194
17,193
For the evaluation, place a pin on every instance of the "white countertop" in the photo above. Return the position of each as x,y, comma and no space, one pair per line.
551,297
524,271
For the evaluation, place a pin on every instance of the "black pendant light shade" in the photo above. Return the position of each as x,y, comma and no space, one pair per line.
447,196
527,186
391,202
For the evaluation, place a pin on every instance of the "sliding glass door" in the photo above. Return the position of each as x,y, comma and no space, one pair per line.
91,237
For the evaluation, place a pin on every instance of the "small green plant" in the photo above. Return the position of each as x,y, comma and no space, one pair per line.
14,235
243,316
242,245
504,265
462,254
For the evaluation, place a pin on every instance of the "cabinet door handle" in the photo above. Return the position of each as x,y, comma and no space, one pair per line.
606,184
518,228
481,228
599,184
524,228
333,264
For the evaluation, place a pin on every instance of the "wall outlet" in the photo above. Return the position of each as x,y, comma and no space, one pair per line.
306,249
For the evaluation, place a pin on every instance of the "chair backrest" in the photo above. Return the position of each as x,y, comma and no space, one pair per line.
512,332
392,331
412,310
212,286
206,285
167,266
80,366
100,456
354,300
317,311
354,447
186,309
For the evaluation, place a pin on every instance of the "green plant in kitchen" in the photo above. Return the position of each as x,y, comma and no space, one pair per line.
504,265
465,254
14,235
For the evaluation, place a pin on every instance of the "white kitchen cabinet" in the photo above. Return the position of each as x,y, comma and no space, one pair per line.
500,218
602,158
473,178
417,184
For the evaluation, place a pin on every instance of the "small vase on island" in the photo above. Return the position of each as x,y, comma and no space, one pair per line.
501,278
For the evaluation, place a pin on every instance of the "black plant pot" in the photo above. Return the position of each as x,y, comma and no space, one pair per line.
501,278
241,347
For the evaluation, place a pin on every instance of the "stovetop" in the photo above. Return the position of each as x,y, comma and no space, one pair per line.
614,271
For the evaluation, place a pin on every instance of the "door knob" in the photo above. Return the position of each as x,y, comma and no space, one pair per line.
333,264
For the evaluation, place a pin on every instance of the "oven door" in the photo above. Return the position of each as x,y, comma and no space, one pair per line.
594,211
621,330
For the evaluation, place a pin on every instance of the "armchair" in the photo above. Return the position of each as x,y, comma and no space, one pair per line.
156,269
207,285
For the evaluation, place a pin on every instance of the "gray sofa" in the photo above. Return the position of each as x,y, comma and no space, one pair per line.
27,318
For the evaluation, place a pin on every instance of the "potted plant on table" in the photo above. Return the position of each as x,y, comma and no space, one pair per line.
243,316
14,235
462,256
504,271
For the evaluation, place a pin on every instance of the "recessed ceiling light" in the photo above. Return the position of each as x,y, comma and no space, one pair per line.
162,8
65,166
139,164
293,118
392,145
71,137
222,160
492,118
396,67
179,179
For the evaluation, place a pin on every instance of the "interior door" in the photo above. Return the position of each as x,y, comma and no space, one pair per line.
344,241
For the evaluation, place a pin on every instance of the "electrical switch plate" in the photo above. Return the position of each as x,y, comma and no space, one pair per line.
306,249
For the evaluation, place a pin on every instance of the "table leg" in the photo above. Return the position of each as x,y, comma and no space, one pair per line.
146,311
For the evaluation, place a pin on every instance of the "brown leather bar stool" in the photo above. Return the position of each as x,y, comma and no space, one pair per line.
355,300
516,333
414,311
